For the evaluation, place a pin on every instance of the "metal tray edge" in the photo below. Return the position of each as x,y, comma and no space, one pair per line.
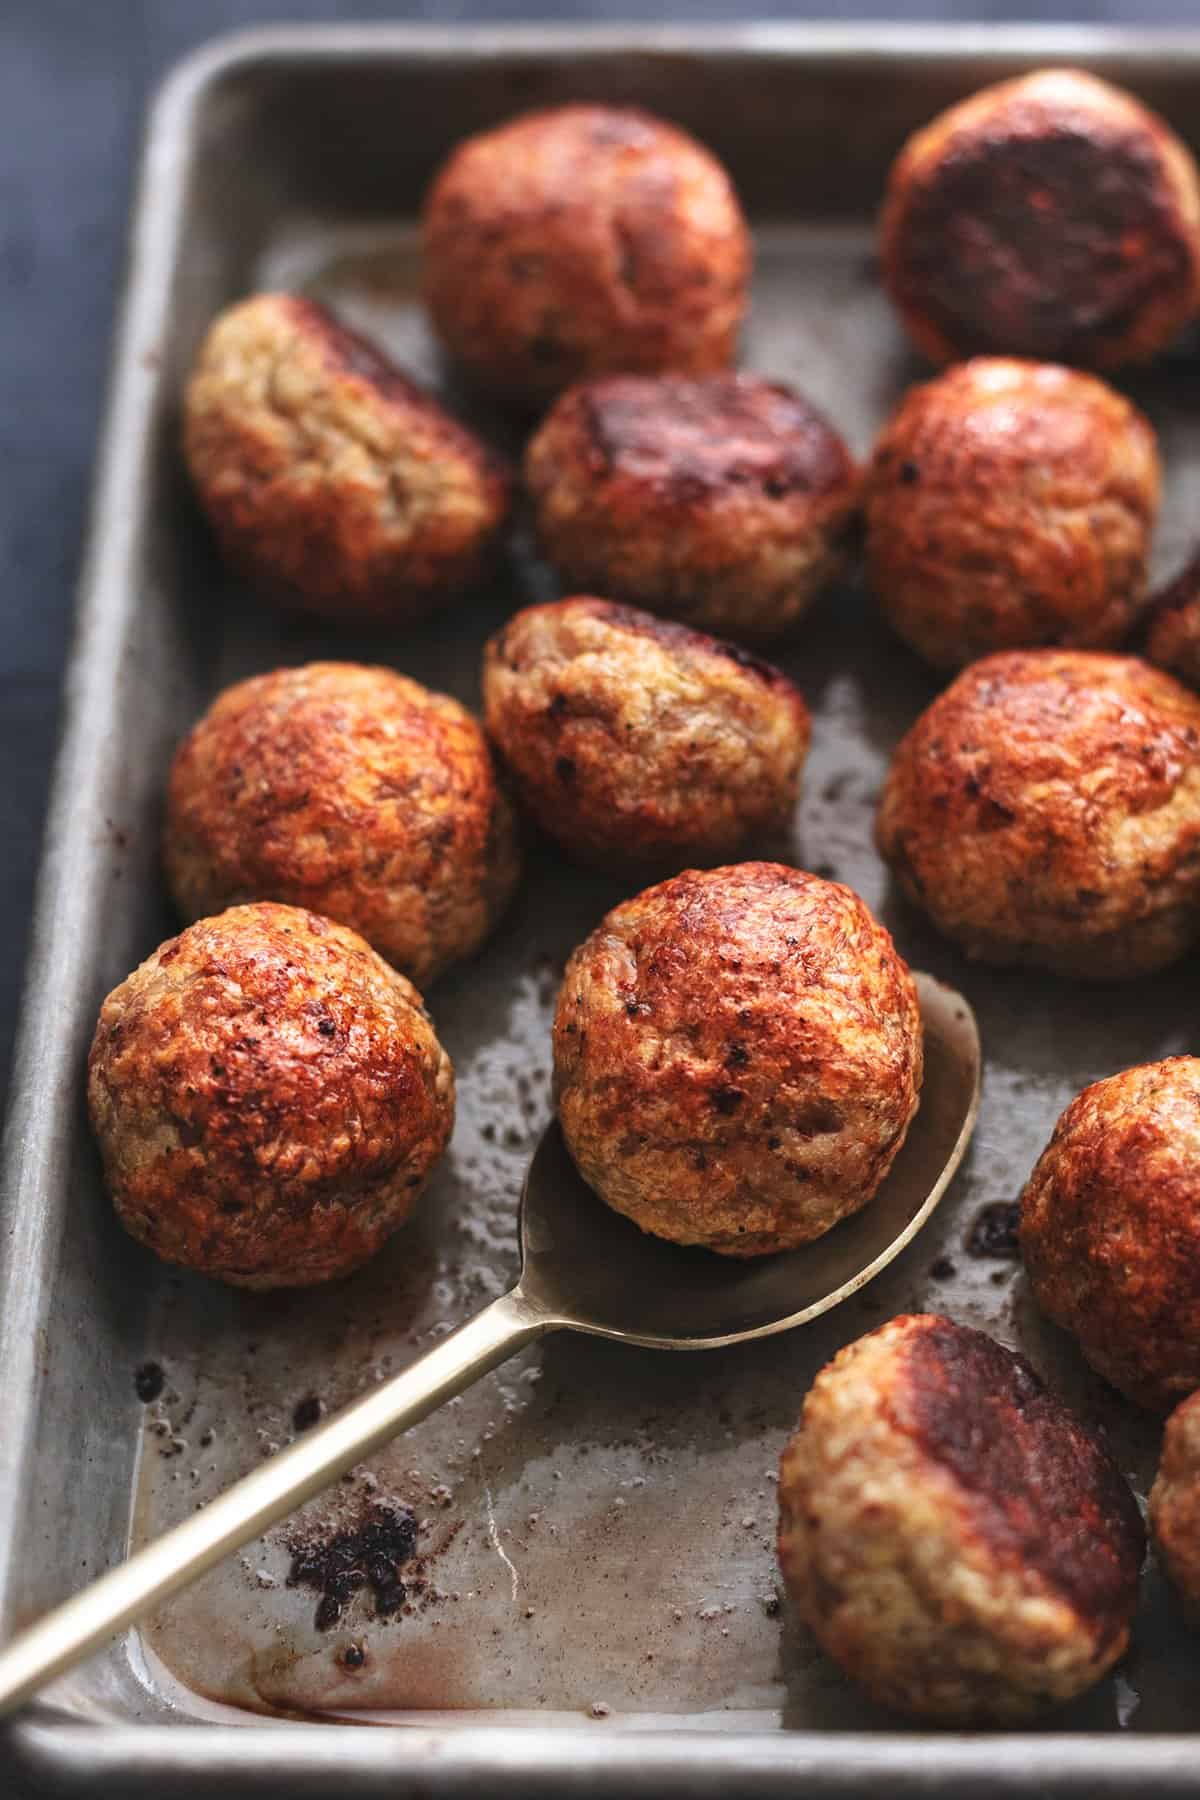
45,1058
81,1759
58,1754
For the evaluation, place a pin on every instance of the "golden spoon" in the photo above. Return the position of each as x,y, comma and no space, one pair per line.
583,1268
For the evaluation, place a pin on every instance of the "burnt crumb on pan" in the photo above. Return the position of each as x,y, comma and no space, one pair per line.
369,1555
149,1381
353,1656
942,1269
993,1231
306,1412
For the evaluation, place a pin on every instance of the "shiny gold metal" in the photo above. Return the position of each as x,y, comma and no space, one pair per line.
583,1268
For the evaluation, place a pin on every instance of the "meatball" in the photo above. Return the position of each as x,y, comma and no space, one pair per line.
1051,216
581,239
1175,1502
737,1057
1110,1229
1011,504
725,502
640,744
956,1540
268,1097
1046,810
351,790
1173,638
334,482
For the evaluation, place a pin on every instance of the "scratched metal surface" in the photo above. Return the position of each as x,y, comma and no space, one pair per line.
595,1524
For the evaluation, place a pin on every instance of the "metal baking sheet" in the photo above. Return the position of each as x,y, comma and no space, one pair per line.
593,1603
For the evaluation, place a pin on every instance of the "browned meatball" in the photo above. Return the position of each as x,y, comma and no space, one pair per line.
1173,640
1175,1502
581,239
1046,809
1050,216
737,1057
1110,1228
640,744
956,1540
333,481
1011,504
351,790
724,502
268,1097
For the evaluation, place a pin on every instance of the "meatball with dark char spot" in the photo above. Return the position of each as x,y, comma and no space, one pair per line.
1175,1503
1110,1228
334,482
957,1541
1052,216
354,791
1011,504
581,239
738,1056
268,1097
725,502
1045,809
641,744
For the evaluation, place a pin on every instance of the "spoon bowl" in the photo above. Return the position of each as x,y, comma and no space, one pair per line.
584,1268
596,1271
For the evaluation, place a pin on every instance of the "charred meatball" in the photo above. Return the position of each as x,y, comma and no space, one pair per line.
351,790
640,744
737,1057
955,1539
581,239
268,1097
333,482
1173,639
1046,810
724,502
1051,216
1011,504
1110,1229
1175,1502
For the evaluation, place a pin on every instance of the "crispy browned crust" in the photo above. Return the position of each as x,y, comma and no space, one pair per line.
723,501
1175,1502
641,744
1052,216
1036,1482
1010,504
1046,809
956,1539
268,1097
351,790
1173,639
332,480
581,239
1110,1228
738,1057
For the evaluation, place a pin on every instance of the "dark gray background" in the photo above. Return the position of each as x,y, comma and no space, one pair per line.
74,79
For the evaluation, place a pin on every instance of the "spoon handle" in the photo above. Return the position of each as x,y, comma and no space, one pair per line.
66,1635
